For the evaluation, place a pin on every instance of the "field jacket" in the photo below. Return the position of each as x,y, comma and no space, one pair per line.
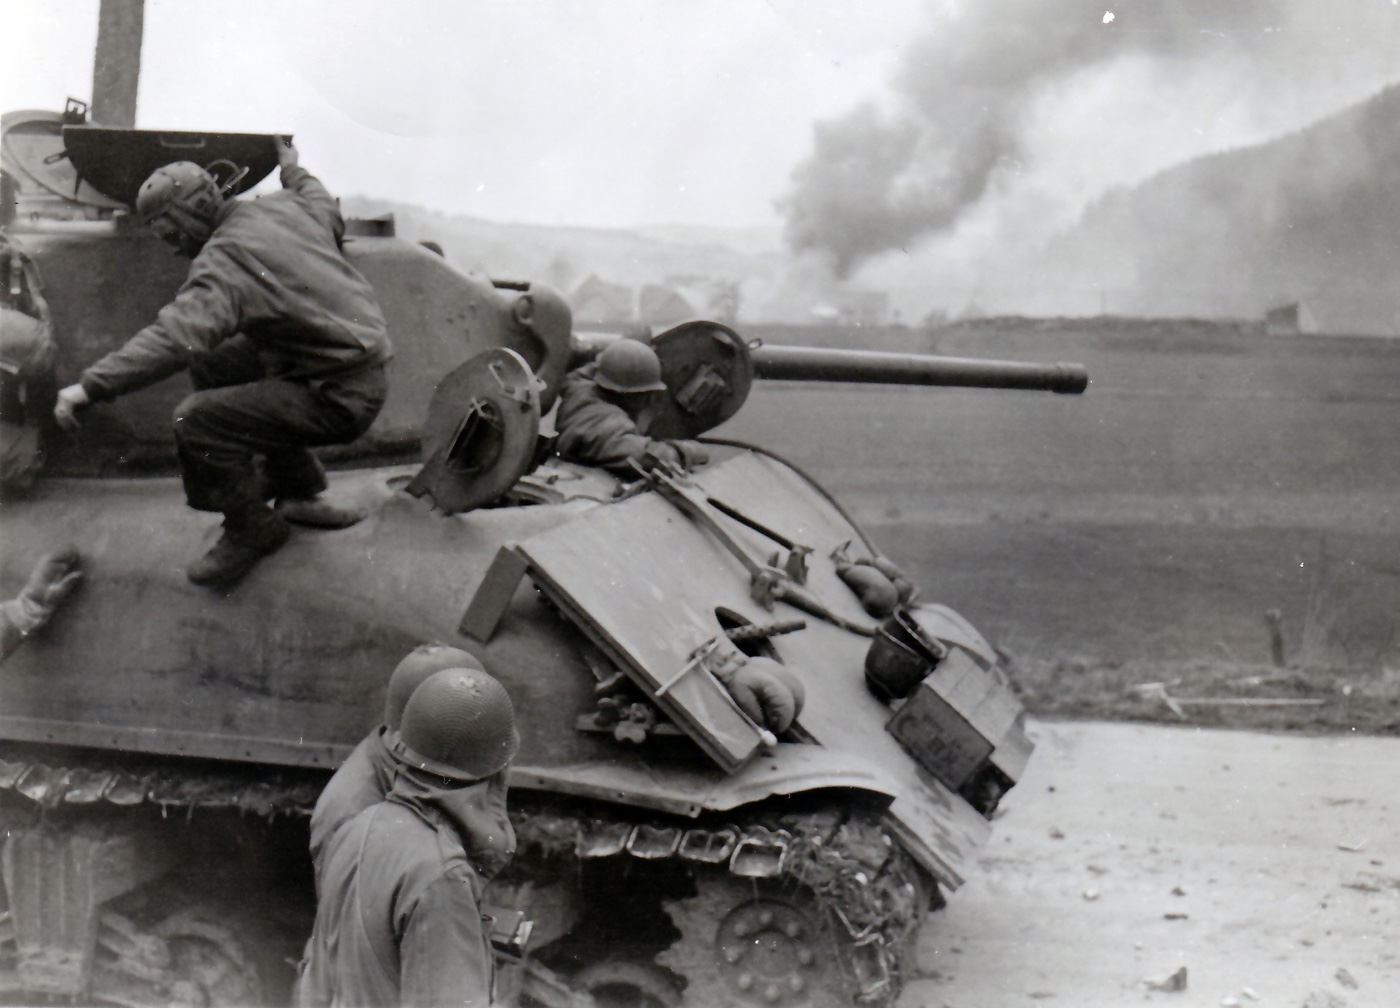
597,432
272,269
366,778
398,918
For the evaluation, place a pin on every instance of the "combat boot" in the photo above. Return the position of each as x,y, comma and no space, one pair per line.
317,512
249,536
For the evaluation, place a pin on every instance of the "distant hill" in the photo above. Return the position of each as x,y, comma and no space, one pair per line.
565,257
1312,217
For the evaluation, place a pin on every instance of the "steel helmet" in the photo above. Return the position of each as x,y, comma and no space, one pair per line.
421,662
629,366
185,193
458,724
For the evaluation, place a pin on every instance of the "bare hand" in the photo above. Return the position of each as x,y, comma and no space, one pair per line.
65,410
661,455
286,152
54,577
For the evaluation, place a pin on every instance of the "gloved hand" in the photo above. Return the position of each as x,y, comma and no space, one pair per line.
53,579
65,409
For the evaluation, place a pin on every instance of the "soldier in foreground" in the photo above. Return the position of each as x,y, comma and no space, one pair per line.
398,915
285,344
604,413
367,775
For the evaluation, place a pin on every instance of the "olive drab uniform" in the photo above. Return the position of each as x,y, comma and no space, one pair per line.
398,916
27,379
284,341
361,781
365,779
595,431
27,388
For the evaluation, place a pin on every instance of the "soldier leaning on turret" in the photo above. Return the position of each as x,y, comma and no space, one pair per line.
285,344
604,413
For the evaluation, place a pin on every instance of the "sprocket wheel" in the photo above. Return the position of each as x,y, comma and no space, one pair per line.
749,943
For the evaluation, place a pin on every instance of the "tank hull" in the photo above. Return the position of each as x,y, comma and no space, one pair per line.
289,668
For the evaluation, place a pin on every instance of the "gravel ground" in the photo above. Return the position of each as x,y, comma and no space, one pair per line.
1266,865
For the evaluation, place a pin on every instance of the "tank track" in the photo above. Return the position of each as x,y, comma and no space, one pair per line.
253,792
855,870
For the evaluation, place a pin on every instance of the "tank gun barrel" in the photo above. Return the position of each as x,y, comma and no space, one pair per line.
794,363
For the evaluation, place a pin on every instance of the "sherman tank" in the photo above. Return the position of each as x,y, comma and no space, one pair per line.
162,745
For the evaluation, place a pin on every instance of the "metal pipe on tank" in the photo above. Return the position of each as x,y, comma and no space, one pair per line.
116,67
792,363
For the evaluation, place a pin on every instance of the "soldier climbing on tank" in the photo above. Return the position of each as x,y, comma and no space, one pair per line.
398,915
27,382
52,580
367,774
605,410
285,344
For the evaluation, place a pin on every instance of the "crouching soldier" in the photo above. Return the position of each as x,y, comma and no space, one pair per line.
284,342
398,915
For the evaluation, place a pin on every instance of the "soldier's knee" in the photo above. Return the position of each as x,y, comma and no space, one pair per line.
188,414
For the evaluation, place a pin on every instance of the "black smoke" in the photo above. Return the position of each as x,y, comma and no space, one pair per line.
879,178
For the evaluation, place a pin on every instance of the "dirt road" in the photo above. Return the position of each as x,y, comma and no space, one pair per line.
1267,865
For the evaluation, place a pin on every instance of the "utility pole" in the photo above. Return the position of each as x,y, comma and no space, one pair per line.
116,68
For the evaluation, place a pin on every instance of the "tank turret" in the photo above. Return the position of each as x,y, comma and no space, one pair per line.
161,746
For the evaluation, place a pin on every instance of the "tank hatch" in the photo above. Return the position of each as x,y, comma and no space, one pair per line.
33,149
708,371
116,161
483,423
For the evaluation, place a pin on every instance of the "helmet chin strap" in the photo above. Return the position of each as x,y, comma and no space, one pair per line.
194,228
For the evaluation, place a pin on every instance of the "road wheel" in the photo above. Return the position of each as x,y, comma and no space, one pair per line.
629,985
208,961
748,943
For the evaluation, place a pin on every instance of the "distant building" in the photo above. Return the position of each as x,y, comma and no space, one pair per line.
597,302
1289,320
661,304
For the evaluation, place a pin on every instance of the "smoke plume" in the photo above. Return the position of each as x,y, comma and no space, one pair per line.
959,119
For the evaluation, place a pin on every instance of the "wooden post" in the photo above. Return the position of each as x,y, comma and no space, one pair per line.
116,67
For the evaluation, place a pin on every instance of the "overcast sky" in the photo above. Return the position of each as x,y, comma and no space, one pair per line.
622,112
552,111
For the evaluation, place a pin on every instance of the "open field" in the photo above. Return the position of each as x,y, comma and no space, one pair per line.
1141,532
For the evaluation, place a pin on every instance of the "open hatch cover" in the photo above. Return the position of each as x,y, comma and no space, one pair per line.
115,161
